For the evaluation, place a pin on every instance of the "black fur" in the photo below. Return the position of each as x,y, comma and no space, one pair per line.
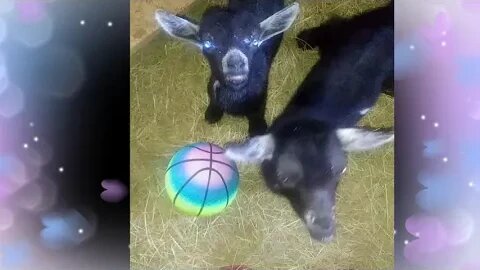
240,50
302,155
240,20
339,30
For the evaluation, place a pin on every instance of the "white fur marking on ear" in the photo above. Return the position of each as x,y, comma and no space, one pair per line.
357,139
254,150
364,111
279,22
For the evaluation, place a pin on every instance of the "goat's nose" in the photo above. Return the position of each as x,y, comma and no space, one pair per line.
324,222
235,63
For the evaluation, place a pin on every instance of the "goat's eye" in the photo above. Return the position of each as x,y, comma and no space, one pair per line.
208,44
287,181
250,41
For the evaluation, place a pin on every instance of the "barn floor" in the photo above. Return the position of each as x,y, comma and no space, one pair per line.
259,229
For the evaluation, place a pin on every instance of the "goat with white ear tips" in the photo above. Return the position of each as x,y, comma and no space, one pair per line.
279,22
240,43
178,27
303,155
254,150
358,139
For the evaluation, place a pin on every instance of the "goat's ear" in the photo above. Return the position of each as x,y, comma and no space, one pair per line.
254,150
278,22
359,139
178,27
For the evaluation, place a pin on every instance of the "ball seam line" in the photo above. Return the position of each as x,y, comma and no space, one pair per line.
201,159
208,182
224,184
203,150
186,182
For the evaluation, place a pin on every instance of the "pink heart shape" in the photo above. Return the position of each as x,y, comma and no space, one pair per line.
460,226
115,191
430,246
430,232
437,238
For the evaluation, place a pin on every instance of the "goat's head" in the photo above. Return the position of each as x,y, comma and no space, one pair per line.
304,163
228,39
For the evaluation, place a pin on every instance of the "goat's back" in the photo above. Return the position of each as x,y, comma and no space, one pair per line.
340,86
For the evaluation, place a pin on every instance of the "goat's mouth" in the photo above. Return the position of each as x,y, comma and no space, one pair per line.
321,234
327,239
237,80
321,229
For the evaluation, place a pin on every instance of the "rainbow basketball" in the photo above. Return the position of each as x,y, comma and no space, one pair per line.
200,180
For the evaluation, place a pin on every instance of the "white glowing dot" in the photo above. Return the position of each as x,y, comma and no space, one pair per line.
25,145
412,47
471,184
60,169
80,231
444,33
82,22
444,43
394,232
110,24
406,242
35,139
417,234
445,159
31,124
423,117
436,124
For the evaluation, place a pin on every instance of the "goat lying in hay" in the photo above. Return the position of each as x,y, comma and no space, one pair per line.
303,155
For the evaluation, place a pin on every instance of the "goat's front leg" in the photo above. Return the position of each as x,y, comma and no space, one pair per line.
256,123
213,114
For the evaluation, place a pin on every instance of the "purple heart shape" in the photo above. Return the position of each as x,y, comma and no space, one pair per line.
430,232
437,237
115,191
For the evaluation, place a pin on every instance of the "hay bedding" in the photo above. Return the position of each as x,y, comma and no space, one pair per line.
168,99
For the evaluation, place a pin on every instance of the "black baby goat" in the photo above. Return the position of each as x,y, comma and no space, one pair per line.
303,154
240,43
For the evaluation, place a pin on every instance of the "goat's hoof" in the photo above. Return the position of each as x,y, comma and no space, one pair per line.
257,130
212,115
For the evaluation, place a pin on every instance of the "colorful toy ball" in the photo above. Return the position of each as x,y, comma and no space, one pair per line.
200,180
